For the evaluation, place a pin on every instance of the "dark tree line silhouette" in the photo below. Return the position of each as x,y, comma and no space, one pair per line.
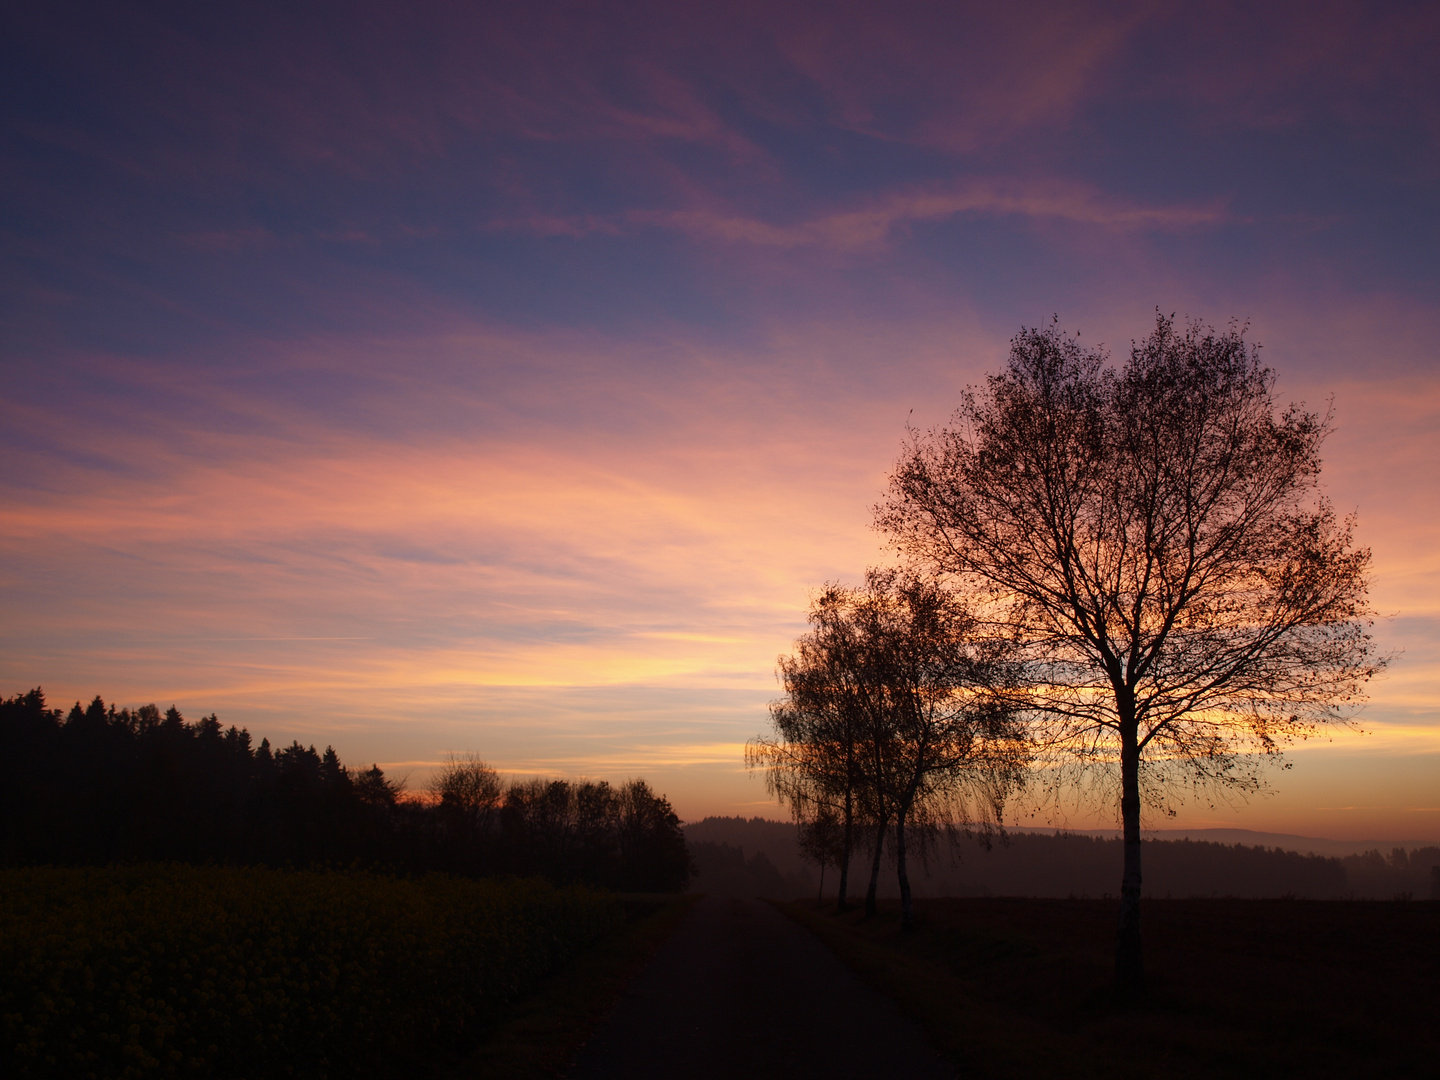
625,838
101,785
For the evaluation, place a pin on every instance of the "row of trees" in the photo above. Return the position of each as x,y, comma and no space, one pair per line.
1124,578
625,838
101,785
892,722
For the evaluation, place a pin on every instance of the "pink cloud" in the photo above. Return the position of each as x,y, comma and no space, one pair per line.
875,222
1270,65
380,94
593,574
959,77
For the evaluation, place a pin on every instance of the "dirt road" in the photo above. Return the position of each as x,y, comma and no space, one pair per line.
741,991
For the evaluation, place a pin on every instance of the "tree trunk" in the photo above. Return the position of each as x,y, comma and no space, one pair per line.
870,906
840,904
907,905
1129,960
820,896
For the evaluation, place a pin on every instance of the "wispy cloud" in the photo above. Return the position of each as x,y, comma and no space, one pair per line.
233,240
875,222
504,376
959,77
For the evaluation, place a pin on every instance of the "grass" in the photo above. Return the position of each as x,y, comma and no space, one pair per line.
1236,988
175,971
540,1035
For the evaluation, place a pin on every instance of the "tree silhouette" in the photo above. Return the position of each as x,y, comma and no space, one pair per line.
468,794
103,785
821,840
894,701
652,852
811,762
941,745
1151,542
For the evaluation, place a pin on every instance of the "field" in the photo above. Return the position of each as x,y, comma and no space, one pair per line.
203,971
1236,988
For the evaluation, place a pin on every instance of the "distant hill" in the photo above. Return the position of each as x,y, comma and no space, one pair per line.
1305,845
773,867
739,856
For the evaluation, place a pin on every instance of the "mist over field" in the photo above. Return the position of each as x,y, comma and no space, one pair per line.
758,857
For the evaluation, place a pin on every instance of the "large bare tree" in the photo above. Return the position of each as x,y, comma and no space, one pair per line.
1152,541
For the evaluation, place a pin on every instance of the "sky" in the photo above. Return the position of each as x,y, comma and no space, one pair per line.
447,377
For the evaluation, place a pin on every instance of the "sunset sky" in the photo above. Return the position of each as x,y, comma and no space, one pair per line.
503,378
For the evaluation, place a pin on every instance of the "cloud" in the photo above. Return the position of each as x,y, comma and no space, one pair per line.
499,567
958,77
450,352
877,221
314,555
1272,66
233,240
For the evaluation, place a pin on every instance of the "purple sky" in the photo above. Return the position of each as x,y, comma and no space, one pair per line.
417,378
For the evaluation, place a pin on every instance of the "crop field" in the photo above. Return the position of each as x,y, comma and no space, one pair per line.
1235,988
242,972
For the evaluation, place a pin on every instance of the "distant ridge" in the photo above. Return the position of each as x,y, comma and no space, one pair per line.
1304,845
758,856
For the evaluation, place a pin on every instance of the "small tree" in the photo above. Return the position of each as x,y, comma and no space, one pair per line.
468,796
811,761
652,852
893,711
821,840
468,789
941,747
1151,541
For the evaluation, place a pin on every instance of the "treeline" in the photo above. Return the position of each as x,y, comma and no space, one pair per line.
1067,864
725,870
734,856
104,785
1413,873
626,838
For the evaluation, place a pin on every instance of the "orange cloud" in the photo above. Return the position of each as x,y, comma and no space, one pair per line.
872,225
601,596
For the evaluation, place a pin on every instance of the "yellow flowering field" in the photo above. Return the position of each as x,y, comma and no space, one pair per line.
177,970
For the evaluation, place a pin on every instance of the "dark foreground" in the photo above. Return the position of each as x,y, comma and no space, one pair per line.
243,972
741,991
1236,988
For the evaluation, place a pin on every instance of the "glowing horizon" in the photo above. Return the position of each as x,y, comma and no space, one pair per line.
477,382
